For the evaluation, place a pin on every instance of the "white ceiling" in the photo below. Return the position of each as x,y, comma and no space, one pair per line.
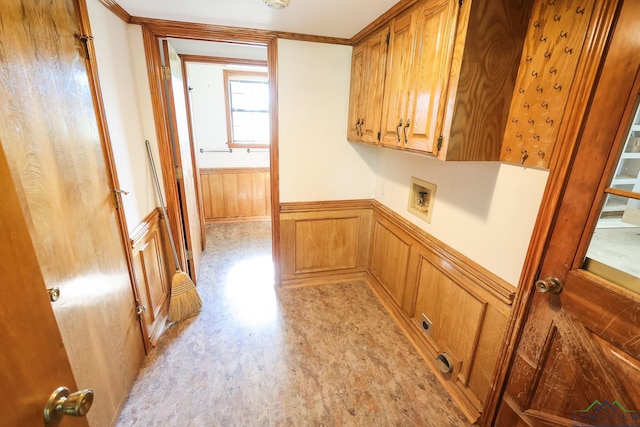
330,18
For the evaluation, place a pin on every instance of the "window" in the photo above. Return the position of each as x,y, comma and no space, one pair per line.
247,97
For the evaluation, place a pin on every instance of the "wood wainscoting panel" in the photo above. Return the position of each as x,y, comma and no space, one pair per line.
456,316
236,194
326,244
389,260
413,273
322,240
151,276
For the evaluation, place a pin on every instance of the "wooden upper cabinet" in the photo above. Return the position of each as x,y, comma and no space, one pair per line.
451,68
398,71
365,98
429,74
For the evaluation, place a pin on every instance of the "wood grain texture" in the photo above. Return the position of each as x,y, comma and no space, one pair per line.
318,244
489,45
397,75
236,193
326,244
56,155
595,146
365,97
449,258
194,30
151,265
427,79
28,330
382,20
550,61
389,260
432,285
221,60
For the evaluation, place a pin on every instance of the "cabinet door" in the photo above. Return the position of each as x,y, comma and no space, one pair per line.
429,75
374,68
394,104
355,95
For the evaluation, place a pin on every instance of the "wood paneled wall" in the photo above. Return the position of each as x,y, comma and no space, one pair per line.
324,241
153,269
236,194
413,274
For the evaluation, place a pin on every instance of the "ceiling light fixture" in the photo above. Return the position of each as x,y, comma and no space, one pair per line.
277,4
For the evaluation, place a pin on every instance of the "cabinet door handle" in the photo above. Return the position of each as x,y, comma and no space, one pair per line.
405,130
361,124
398,130
358,127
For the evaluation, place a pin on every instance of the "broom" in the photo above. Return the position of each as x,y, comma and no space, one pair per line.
185,301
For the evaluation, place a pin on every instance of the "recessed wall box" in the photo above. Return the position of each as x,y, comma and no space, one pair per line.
421,197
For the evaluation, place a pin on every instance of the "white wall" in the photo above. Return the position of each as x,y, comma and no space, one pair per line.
316,161
485,210
127,101
209,120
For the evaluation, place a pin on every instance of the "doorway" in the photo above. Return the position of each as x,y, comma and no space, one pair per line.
153,34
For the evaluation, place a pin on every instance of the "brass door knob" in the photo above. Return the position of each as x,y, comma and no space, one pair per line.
63,403
550,285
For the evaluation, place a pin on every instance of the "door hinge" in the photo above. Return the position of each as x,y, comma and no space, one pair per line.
178,173
85,41
388,37
379,135
189,254
439,146
140,309
166,73
116,199
116,194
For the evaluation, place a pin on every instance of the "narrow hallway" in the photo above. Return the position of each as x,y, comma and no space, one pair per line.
323,355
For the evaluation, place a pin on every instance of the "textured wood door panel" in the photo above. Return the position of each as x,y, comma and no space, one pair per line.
390,260
326,244
52,141
456,315
152,282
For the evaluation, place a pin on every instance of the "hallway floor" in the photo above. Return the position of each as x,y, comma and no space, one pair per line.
326,355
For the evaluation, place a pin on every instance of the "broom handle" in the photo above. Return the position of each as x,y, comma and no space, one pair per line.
164,209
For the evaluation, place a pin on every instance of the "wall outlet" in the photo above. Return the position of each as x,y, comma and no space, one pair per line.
422,194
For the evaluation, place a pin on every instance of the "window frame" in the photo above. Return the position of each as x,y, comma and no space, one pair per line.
230,75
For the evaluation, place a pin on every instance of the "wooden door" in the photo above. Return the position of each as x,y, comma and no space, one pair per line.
577,361
179,126
400,51
430,73
54,154
28,329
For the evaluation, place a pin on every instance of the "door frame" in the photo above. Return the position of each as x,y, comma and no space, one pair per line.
155,29
580,102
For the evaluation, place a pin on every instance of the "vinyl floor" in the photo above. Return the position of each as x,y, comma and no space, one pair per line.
327,355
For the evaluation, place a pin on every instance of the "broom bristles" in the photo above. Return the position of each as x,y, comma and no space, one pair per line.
185,300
